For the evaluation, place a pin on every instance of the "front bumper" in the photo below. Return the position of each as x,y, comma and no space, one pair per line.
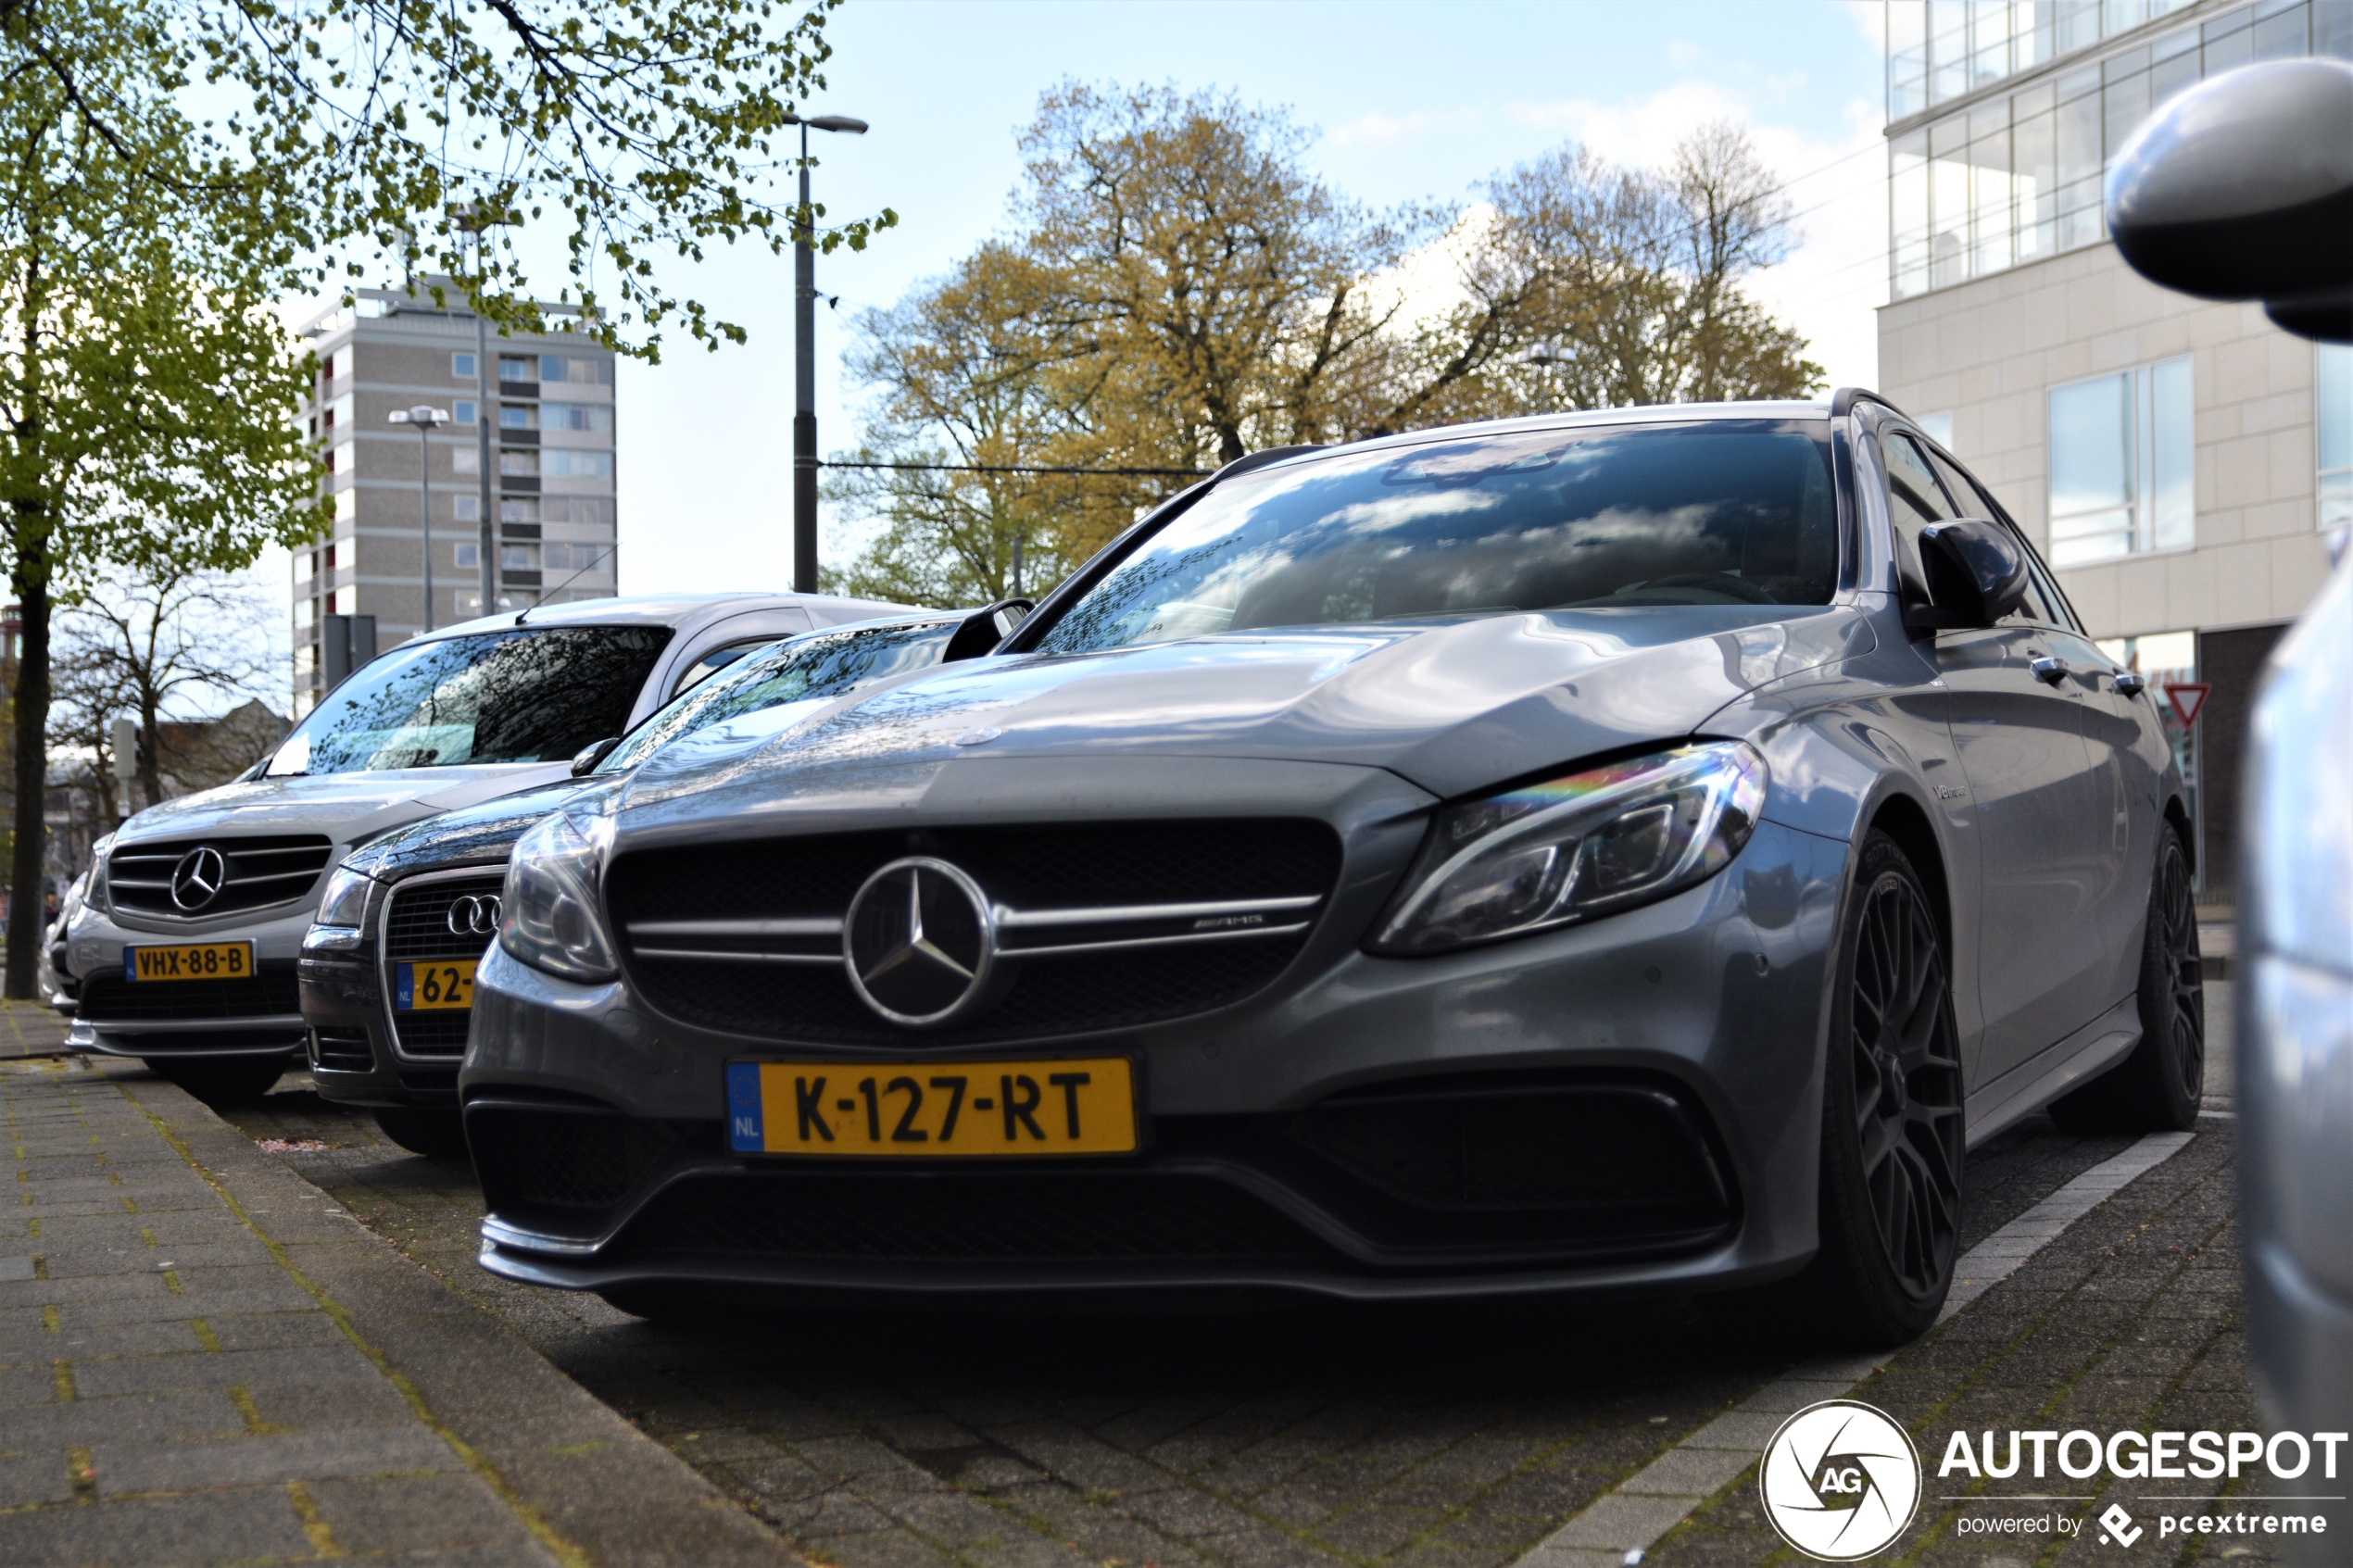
1699,1018
210,1018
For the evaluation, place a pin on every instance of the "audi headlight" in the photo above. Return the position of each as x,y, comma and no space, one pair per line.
548,919
345,901
1574,848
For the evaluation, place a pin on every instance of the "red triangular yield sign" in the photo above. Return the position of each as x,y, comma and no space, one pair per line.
2188,698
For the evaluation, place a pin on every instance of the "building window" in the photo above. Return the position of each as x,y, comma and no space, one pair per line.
2016,178
564,368
518,369
347,505
518,416
589,511
465,459
574,557
461,367
304,562
518,557
519,465
563,464
576,415
2333,415
462,411
2122,457
466,509
519,508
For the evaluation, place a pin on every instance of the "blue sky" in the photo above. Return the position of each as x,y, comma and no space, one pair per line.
1413,101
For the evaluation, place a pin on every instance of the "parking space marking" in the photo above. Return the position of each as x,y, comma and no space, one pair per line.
1625,1520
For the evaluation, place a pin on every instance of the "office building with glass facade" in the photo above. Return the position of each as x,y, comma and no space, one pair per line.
2182,464
551,444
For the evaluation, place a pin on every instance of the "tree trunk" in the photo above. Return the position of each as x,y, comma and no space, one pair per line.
29,576
150,765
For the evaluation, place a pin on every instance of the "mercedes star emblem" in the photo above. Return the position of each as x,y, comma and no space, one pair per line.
919,942
473,916
197,879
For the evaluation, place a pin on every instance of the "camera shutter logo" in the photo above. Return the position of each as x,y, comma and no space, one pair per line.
1840,1481
473,916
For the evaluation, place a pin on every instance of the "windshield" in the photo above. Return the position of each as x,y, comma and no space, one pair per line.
1723,513
813,667
532,694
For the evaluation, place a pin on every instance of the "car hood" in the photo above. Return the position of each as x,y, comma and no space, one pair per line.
472,836
346,806
1451,707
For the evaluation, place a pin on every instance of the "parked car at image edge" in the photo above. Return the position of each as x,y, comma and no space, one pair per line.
216,889
1641,848
387,972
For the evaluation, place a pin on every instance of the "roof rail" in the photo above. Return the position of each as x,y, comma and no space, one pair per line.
1842,401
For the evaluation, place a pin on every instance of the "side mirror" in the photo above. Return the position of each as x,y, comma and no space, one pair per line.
1976,574
585,759
983,629
2241,188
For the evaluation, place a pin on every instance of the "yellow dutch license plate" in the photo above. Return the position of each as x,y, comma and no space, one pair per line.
932,1109
189,960
432,988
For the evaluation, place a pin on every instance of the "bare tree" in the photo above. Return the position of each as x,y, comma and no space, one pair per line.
148,643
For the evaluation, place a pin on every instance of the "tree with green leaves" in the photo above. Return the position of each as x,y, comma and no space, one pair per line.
167,167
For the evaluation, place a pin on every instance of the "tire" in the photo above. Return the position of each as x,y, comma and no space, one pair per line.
233,1079
437,1134
1890,1198
2156,1089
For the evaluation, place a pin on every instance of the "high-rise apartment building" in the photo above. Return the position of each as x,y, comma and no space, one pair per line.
551,413
2181,463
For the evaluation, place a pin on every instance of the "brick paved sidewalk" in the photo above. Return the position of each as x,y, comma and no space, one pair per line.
29,1029
203,1359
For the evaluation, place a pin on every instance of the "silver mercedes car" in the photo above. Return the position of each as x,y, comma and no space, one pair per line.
1633,849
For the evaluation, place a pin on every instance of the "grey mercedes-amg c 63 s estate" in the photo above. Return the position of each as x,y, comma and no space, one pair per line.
1629,850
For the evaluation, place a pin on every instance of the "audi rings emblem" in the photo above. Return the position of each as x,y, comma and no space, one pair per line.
198,878
919,941
474,915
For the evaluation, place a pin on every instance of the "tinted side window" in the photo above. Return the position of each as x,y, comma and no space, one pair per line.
1914,501
2041,605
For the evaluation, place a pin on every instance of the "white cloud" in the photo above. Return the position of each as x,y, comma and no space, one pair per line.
1378,130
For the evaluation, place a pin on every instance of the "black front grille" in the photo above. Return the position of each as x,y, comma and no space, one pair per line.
342,1051
416,929
572,1160
417,922
1096,1217
270,992
260,873
1026,868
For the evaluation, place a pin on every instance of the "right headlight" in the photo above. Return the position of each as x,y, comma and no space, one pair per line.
1570,848
547,913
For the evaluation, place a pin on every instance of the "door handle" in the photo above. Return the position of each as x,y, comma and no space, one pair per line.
2049,668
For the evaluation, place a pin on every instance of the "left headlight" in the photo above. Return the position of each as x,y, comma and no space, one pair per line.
1570,848
547,917
345,901
94,896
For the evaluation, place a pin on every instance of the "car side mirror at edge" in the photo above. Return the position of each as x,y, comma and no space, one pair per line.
584,760
1976,575
983,629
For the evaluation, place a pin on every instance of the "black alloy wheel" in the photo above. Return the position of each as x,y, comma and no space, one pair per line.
1892,1115
2156,1088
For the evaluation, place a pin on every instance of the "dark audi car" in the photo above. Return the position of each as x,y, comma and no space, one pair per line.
387,968
1635,849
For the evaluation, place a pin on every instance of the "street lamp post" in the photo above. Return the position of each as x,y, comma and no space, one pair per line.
470,217
804,419
426,419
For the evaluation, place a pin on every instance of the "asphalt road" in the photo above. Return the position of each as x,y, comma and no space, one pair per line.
1445,1438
